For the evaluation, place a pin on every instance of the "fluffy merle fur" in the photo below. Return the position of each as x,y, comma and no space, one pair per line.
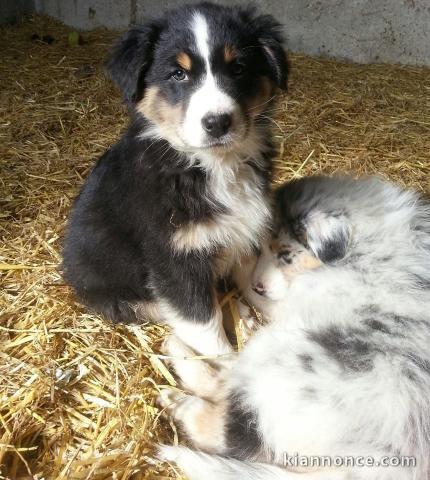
343,368
118,251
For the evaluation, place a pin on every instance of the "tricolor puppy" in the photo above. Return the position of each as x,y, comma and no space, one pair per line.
341,374
172,206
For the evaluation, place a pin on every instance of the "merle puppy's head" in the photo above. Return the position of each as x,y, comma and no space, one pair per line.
202,75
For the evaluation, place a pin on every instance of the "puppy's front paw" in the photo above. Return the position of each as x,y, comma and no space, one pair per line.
169,398
168,453
197,376
174,348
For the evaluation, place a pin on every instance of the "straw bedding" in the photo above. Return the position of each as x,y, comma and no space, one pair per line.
77,395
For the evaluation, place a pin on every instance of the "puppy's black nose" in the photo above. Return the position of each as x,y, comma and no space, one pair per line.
259,288
217,125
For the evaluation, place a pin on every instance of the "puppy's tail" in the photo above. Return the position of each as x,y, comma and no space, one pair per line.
202,466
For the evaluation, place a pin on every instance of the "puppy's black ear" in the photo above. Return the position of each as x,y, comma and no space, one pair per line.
326,234
131,58
270,37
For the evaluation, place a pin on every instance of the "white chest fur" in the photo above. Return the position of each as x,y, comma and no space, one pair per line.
241,224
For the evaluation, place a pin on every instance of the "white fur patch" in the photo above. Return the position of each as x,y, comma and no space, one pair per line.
296,408
208,98
244,223
201,34
207,338
296,372
202,466
197,376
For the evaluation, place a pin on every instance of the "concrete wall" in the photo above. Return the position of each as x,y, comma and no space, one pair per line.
12,10
366,31
88,14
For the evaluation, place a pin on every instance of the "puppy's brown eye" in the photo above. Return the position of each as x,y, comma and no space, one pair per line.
237,69
179,75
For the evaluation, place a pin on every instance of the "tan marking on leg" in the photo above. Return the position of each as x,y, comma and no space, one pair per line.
184,60
207,429
196,375
229,53
202,420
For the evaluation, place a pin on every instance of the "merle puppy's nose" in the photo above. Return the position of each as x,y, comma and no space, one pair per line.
216,125
259,288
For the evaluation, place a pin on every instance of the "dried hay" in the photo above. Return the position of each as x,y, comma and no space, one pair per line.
77,394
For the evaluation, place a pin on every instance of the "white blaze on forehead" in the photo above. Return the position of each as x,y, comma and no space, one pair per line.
200,29
208,98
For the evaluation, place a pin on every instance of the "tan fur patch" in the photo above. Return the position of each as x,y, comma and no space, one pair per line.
260,102
275,245
202,420
309,262
224,262
302,259
194,235
229,53
302,263
208,429
198,377
184,60
165,116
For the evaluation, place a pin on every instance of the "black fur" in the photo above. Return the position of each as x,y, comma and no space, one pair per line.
146,54
349,347
116,251
307,362
329,248
132,57
333,248
242,434
375,324
117,248
422,364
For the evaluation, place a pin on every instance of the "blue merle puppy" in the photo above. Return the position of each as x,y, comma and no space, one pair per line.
343,368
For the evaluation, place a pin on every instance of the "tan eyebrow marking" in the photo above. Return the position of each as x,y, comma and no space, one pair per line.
184,60
229,53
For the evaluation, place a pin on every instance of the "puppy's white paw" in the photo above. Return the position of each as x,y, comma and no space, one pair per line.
176,348
196,375
169,398
168,453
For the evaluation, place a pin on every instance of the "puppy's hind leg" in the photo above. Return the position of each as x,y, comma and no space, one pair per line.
202,420
197,375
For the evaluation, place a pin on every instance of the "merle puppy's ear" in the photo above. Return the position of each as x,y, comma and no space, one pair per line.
269,34
326,234
324,228
131,58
